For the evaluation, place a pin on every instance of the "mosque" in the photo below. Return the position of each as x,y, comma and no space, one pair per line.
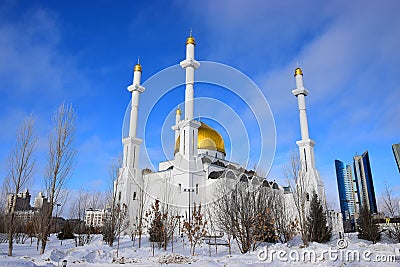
199,156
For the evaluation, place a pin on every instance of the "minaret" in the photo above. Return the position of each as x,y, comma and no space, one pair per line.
301,94
189,64
130,180
188,127
188,170
132,143
306,145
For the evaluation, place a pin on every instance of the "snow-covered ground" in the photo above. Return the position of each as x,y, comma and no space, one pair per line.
97,253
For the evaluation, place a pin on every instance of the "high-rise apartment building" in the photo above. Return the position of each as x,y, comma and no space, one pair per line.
364,182
347,190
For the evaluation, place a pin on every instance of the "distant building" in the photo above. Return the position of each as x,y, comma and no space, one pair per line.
335,220
396,153
41,202
96,217
22,201
347,191
25,216
364,182
23,209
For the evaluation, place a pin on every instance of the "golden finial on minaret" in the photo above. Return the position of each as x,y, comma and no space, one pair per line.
190,39
138,67
178,111
298,71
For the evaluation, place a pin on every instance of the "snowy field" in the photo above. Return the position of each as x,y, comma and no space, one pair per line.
97,253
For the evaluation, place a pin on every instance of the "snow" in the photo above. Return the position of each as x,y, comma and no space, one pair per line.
98,253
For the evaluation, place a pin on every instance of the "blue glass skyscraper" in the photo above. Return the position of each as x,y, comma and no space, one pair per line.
396,153
347,193
365,185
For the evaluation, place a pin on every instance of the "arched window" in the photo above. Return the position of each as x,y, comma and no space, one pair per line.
243,178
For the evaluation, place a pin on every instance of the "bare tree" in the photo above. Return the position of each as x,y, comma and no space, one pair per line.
20,169
115,221
142,202
61,158
243,212
3,203
196,228
3,196
219,211
109,229
39,222
96,200
79,205
297,181
169,214
391,209
285,225
84,200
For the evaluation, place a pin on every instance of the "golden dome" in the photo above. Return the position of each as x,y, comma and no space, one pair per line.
190,40
298,71
137,67
208,138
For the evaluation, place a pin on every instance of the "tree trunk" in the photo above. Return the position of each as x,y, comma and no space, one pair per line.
229,245
43,247
10,233
172,242
118,245
215,242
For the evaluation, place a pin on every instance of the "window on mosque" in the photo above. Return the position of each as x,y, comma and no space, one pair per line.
180,188
134,195
197,188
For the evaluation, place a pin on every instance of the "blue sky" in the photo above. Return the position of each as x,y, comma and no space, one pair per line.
84,51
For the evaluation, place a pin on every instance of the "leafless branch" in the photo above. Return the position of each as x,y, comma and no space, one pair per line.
60,161
20,169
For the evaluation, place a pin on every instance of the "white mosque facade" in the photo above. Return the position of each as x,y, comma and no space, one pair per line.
199,157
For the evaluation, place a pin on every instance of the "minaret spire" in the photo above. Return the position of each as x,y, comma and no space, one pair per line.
132,143
301,93
136,89
189,64
306,145
188,132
